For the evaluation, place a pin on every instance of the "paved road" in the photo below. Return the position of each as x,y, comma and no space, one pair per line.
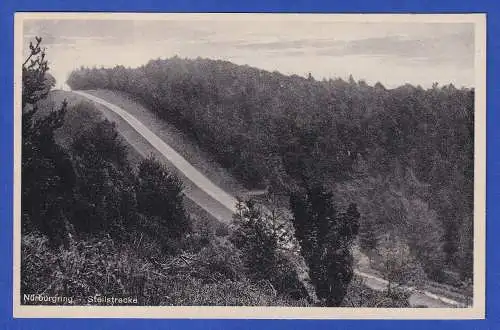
418,297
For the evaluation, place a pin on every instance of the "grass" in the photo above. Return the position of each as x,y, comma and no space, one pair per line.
99,266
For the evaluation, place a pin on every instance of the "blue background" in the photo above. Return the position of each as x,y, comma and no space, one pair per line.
7,9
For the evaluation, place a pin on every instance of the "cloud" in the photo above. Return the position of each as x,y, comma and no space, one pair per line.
74,32
453,49
391,52
283,44
173,30
433,44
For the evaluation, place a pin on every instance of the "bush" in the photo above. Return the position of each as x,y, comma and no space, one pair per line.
105,191
159,194
359,295
397,264
223,260
192,292
37,263
99,266
264,240
86,268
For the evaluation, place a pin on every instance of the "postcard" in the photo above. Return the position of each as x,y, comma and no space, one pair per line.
297,166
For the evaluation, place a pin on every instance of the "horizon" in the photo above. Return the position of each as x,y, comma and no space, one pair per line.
393,54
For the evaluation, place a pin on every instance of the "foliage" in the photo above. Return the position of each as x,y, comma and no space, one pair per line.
227,293
465,250
36,81
86,190
159,194
116,224
267,245
224,261
47,173
359,295
397,206
256,239
368,239
100,266
105,192
325,237
397,264
277,130
85,269
92,225
424,236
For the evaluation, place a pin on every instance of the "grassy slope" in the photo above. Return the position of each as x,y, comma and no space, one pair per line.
178,140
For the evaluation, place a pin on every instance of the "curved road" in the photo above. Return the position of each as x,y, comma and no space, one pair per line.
418,297
170,154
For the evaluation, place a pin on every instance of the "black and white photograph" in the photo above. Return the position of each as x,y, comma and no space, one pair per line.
317,165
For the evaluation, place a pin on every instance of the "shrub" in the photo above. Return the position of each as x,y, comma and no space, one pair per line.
105,191
397,264
192,292
359,295
159,194
99,266
86,268
265,243
223,260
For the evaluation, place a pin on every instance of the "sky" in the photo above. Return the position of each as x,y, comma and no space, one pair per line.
391,53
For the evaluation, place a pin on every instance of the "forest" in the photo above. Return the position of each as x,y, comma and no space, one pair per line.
388,170
404,156
95,223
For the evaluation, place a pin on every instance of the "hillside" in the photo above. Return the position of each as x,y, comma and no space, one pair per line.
208,248
142,256
129,109
404,156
